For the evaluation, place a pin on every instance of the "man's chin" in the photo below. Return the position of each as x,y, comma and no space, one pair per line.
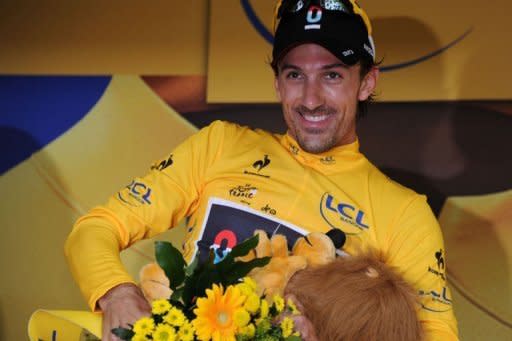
314,147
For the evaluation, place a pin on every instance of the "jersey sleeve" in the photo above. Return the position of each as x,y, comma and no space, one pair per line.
416,248
144,208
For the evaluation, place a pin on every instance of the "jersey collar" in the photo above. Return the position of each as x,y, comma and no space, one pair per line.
334,160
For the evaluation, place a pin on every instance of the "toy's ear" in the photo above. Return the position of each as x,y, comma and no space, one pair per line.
316,247
154,283
263,249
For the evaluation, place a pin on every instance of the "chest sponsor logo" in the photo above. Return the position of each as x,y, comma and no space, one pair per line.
342,215
328,160
258,165
437,301
162,164
438,268
246,191
227,223
268,209
294,149
135,194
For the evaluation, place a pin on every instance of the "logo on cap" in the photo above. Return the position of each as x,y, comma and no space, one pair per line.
313,17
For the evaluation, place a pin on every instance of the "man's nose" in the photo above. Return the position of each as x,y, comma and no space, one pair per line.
312,96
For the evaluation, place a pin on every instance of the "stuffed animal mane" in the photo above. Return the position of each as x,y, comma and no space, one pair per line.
357,298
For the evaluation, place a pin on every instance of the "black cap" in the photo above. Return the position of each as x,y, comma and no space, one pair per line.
344,34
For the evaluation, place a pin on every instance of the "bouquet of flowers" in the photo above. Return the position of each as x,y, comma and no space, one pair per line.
214,301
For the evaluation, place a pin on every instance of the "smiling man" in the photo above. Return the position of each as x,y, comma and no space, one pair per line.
228,181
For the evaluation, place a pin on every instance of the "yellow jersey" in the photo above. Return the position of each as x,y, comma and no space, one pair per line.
229,180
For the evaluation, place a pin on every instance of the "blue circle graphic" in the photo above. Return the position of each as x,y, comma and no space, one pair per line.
35,110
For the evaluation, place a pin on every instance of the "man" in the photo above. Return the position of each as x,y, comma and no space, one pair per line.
229,180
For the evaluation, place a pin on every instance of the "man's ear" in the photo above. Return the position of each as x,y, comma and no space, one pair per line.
368,84
276,87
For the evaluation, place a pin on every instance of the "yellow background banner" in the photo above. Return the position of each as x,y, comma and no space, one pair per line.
103,37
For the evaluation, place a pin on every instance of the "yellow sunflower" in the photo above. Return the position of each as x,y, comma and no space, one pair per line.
164,332
214,314
138,337
264,309
287,326
278,302
293,307
252,303
245,289
247,286
248,330
186,332
241,317
144,326
249,281
175,317
160,307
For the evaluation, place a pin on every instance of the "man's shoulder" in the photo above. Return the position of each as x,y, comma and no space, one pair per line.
398,203
390,189
230,130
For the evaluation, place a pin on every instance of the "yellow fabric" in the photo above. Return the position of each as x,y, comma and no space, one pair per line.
337,189
63,325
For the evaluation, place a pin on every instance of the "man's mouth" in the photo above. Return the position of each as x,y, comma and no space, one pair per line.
314,118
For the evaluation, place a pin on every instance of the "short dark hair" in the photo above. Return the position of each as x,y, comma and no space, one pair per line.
362,106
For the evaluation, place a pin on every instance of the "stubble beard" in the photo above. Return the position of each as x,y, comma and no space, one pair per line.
315,145
312,140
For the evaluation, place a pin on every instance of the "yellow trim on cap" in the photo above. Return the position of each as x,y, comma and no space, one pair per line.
358,10
276,12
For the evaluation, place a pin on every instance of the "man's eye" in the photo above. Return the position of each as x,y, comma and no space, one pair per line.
293,75
333,75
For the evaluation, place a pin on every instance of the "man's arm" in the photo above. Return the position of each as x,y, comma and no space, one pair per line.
144,208
92,250
416,248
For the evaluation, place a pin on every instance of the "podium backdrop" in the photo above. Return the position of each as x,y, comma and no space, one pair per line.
92,93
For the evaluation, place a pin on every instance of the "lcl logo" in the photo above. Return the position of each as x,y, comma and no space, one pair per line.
342,215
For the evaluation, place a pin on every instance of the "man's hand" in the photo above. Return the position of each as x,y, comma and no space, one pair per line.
302,324
122,305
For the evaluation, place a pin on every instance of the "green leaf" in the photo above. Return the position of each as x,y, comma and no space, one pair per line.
241,269
177,294
206,280
123,333
189,289
293,338
171,261
244,247
226,265
192,266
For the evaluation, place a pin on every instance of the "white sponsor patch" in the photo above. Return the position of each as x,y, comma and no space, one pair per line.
312,27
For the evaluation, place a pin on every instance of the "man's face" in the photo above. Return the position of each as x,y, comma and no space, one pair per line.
319,95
